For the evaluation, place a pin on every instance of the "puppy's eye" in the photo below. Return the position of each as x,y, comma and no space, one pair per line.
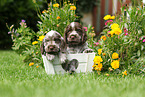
57,40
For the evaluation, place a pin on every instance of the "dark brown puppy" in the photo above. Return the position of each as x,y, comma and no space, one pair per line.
75,38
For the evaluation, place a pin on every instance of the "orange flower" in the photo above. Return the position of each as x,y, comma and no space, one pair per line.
30,64
58,17
37,66
103,37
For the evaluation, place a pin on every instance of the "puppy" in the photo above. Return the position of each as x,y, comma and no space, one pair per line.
53,46
75,38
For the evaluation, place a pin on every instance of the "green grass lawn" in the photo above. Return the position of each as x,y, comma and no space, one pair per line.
17,79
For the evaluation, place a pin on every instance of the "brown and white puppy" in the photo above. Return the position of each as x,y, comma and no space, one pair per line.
75,37
53,45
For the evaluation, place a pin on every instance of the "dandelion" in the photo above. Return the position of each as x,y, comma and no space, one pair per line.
103,37
41,38
72,7
58,17
107,17
99,51
98,59
56,5
115,64
115,25
35,42
115,56
30,64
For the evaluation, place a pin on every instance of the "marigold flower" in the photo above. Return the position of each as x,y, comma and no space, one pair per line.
56,5
107,17
111,33
112,17
99,51
30,64
41,38
115,64
37,66
103,37
35,42
58,17
36,53
117,31
115,56
98,59
115,25
103,54
124,73
98,67
72,7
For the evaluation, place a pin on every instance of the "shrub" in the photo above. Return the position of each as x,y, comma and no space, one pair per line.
27,42
121,45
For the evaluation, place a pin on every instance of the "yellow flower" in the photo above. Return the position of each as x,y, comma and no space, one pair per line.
41,38
107,74
107,17
115,25
37,66
35,42
115,64
117,31
124,73
36,53
58,17
30,64
103,37
99,51
72,7
56,5
115,56
111,33
112,17
97,59
98,67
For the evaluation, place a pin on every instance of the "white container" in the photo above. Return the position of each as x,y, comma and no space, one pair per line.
85,63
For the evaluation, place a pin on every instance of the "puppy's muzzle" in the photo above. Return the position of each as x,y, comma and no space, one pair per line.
53,49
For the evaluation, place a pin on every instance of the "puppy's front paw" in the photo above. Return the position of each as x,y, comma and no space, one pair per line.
88,51
50,57
63,58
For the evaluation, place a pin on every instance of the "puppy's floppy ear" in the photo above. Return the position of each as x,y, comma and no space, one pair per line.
42,48
84,36
67,29
63,45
